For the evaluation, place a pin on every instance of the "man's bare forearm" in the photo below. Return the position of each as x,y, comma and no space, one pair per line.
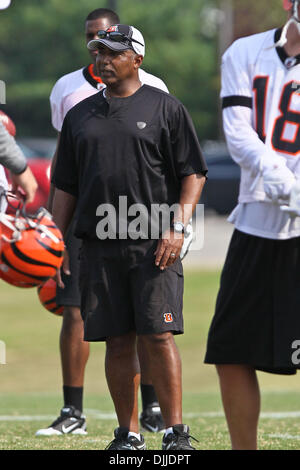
50,198
63,209
191,189
52,187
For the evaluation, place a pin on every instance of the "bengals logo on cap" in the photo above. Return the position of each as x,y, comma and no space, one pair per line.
168,317
112,29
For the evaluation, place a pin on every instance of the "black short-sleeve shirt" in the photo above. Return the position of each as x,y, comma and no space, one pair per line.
139,147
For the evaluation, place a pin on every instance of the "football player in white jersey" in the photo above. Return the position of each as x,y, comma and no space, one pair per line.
68,91
12,158
256,320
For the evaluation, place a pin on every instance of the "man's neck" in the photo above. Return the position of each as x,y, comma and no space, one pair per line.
123,89
292,47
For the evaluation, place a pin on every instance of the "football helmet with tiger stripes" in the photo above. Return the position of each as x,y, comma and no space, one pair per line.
31,248
47,296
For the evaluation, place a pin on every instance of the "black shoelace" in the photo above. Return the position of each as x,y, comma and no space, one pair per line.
182,439
119,441
59,420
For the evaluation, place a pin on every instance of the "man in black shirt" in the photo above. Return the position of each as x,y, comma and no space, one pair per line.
133,145
68,91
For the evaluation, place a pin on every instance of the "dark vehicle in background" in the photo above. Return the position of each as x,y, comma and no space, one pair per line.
39,163
222,186
39,153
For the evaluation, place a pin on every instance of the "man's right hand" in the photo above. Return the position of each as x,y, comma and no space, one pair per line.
66,269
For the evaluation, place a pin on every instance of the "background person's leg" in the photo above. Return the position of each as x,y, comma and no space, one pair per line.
74,351
146,380
74,354
241,401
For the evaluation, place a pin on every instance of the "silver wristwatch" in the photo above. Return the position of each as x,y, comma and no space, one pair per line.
178,227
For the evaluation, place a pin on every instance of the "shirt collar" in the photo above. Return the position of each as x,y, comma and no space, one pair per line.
288,61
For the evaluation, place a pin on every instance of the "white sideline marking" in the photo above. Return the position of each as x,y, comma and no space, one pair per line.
101,415
284,436
263,415
26,418
281,414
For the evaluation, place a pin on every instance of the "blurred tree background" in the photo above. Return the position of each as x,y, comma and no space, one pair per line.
41,40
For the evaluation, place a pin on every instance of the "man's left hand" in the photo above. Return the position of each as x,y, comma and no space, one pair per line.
168,249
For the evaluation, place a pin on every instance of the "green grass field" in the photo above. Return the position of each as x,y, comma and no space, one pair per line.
30,382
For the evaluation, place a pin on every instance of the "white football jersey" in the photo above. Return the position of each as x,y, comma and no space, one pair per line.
261,115
261,108
76,86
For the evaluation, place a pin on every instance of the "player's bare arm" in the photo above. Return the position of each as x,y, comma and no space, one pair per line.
52,187
169,246
13,159
63,209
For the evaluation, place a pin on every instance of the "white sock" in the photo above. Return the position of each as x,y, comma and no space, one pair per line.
138,436
169,431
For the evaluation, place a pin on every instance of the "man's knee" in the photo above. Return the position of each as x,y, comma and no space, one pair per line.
156,340
234,370
72,315
119,346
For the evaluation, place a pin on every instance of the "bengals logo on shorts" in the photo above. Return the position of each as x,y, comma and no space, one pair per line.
168,317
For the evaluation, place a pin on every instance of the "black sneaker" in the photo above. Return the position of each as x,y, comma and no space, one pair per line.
179,439
124,442
151,419
70,421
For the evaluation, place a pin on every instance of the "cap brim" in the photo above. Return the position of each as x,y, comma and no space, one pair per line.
113,45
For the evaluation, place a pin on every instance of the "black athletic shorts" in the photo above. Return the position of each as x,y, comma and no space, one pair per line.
122,290
257,316
70,295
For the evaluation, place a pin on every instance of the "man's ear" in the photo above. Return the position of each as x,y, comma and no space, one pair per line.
138,60
287,4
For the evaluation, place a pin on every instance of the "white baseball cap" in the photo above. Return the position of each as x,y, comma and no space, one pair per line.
120,37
